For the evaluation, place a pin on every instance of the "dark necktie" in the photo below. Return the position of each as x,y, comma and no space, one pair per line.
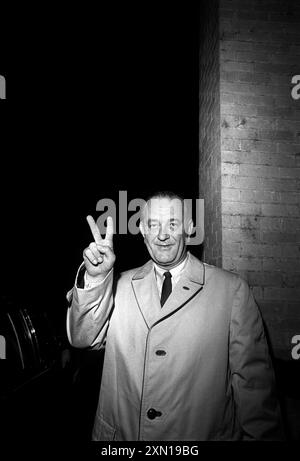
166,288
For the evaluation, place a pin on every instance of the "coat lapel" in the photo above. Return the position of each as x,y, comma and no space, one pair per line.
146,293
189,284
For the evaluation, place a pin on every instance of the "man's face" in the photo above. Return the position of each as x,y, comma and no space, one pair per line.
163,230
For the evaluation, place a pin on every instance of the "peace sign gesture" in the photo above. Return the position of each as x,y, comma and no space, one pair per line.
99,257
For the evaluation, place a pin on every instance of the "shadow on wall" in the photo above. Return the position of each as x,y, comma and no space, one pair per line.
287,374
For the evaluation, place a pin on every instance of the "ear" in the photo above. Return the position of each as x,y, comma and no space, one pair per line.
189,229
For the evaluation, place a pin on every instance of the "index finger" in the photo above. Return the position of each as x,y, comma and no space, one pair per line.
94,229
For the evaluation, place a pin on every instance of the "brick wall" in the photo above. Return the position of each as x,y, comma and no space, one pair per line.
209,131
259,46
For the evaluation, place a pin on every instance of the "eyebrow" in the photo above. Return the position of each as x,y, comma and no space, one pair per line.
172,220
151,220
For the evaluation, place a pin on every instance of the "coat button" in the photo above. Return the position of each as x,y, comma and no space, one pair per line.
152,413
160,352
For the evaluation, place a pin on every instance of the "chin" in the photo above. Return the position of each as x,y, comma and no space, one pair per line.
164,259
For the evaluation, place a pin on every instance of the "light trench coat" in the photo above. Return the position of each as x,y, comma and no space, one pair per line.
200,364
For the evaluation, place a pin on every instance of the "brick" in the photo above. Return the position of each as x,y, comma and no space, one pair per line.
230,168
260,249
283,58
271,264
291,250
265,184
291,224
295,49
246,122
280,210
281,293
276,135
252,196
271,224
290,172
273,68
260,146
250,99
232,195
272,309
290,197
252,77
291,280
238,109
279,17
231,249
233,208
241,235
280,237
228,55
273,112
260,171
259,158
250,222
230,66
253,15
265,278
234,76
236,45
238,264
230,221
245,56
288,124
288,148
228,98
239,133
279,79
231,144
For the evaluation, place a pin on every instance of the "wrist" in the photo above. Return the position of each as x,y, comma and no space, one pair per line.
95,278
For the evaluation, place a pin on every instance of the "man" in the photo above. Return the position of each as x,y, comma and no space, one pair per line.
185,352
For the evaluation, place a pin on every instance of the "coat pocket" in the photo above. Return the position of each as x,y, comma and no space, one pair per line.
103,431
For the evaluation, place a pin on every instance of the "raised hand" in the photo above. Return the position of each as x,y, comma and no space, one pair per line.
99,256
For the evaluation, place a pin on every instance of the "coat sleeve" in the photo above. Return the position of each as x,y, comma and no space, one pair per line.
89,312
253,380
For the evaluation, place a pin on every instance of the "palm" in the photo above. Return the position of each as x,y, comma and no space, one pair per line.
104,246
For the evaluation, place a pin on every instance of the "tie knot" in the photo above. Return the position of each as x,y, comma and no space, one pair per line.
167,275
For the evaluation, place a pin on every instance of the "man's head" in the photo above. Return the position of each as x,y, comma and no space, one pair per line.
165,226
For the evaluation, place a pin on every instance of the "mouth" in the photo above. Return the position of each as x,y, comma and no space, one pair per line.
164,247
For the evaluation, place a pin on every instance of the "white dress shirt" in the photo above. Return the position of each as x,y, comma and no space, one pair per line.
176,273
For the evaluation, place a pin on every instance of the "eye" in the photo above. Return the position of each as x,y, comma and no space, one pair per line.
152,225
173,225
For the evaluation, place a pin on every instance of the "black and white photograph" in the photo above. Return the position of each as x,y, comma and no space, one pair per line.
150,232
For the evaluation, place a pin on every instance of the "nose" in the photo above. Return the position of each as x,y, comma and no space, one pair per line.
163,235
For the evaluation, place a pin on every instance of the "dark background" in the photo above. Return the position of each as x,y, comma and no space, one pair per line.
98,101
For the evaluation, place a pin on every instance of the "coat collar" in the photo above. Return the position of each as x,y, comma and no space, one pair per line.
194,270
145,289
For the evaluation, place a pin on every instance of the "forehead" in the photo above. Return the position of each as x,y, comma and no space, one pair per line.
163,208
